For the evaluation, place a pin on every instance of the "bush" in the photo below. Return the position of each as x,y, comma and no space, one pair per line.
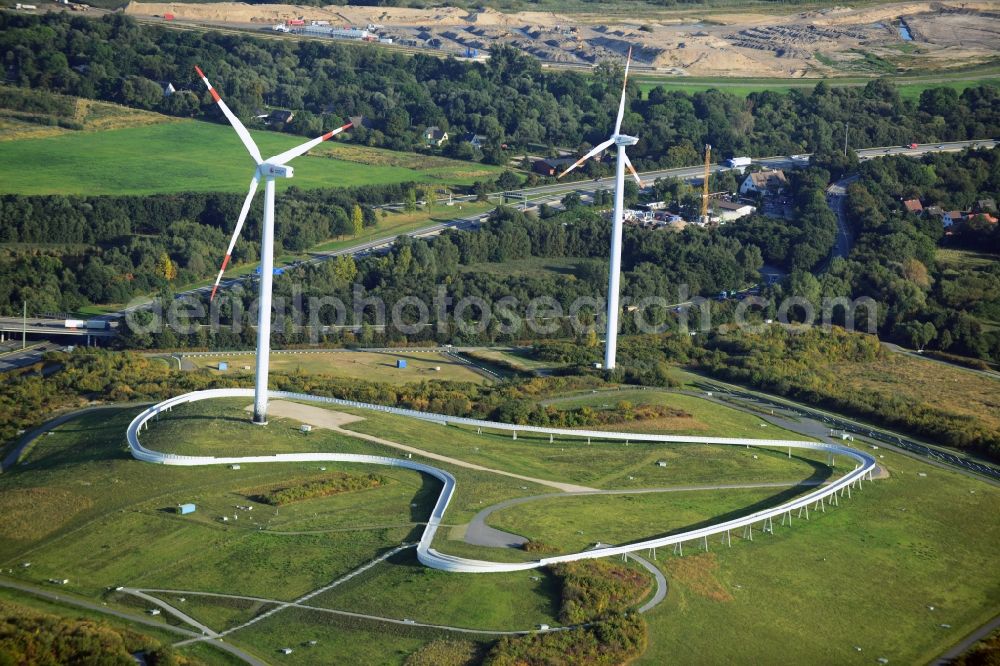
592,589
338,483
615,640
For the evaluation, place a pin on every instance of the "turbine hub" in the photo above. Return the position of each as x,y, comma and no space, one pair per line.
276,170
625,140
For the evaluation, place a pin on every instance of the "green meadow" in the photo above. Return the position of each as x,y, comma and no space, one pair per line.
79,507
192,156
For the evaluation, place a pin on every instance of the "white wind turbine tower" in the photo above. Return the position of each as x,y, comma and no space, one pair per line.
620,140
269,169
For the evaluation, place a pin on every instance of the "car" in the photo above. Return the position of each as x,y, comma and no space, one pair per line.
941,146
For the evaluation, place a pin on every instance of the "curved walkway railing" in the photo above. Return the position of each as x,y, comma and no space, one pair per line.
425,553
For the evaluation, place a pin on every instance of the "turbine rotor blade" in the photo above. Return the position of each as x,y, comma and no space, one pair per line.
628,164
233,120
289,155
621,104
236,233
593,151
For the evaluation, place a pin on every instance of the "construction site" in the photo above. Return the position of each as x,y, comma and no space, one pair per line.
894,37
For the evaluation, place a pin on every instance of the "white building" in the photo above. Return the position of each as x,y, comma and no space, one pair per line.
727,211
764,182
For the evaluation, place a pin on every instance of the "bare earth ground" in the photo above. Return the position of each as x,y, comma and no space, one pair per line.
314,416
724,44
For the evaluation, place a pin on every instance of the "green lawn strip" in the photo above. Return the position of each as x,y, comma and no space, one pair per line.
109,520
572,524
191,156
219,613
402,588
598,464
898,547
339,639
223,428
399,223
521,358
370,366
909,88
708,418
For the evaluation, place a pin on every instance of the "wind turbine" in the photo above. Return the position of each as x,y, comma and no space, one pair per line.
620,140
269,169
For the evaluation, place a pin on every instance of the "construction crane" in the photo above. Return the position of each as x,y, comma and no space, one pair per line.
704,185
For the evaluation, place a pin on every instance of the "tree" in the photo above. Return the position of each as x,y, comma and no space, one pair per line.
357,220
345,269
572,201
411,200
165,267
508,180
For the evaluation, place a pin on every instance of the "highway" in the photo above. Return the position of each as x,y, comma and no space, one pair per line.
864,468
534,196
18,358
934,455
555,191
12,327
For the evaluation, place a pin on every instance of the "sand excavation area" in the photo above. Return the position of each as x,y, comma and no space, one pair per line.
887,38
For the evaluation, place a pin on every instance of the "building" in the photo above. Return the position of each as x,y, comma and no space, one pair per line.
552,166
477,140
981,217
987,205
727,211
435,136
279,116
951,217
913,206
185,509
767,183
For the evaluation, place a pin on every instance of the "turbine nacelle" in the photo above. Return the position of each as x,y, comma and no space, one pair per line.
625,140
268,170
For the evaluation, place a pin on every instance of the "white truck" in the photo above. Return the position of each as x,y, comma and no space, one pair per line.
738,162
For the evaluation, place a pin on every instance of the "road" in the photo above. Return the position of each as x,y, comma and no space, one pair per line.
836,198
19,358
535,196
938,456
13,327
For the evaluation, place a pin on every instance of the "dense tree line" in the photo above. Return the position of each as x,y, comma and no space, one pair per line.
798,244
654,264
926,303
509,99
106,249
